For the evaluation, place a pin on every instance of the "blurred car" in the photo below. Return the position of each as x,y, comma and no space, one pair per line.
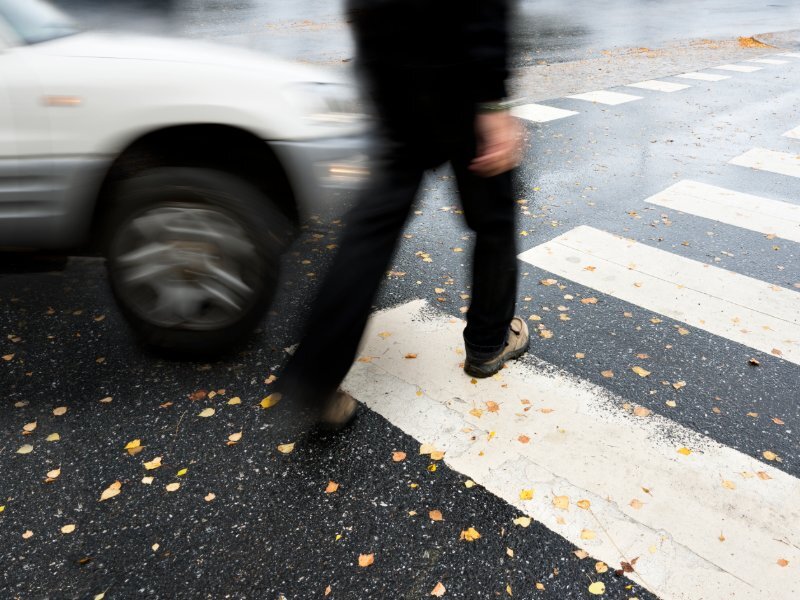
185,164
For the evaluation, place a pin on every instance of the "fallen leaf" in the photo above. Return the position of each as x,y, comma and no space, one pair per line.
641,411
132,445
545,334
640,371
685,451
728,484
182,472
601,567
509,553
782,562
438,590
561,502
206,412
539,586
581,554
492,406
29,427
235,400
777,421
436,515
53,437
636,504
111,491
763,475
754,362
28,534
427,448
270,400
68,528
476,412
588,534
286,448
234,438
328,591
580,355
589,301
54,474
548,282
60,410
172,487
398,456
769,455
153,464
332,487
410,355
106,400
598,588
522,521
526,495
25,449
584,504
470,535
524,439
469,483
508,590
683,331
147,480
365,560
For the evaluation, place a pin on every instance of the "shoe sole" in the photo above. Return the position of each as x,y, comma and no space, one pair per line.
485,370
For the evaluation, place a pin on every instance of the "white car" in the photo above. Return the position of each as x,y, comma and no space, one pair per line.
184,163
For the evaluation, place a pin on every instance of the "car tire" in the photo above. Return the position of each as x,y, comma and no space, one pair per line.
193,257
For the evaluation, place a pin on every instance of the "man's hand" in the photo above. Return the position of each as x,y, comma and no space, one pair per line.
499,143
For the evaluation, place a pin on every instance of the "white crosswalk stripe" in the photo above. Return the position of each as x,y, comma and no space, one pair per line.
656,491
704,76
793,133
606,97
790,54
733,208
738,68
768,61
763,159
540,113
659,86
742,309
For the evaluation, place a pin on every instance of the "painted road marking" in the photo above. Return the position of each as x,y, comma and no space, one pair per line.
659,86
770,160
767,61
606,97
790,54
794,133
770,217
742,309
540,113
646,499
704,76
738,68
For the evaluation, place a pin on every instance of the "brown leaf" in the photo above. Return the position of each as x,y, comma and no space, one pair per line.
332,487
589,301
410,355
641,411
584,504
436,515
398,456
29,427
524,439
782,562
492,406
636,504
198,395
769,455
777,421
438,590
365,560
607,374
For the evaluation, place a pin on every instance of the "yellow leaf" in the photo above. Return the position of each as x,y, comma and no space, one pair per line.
509,552
286,448
683,331
548,282
29,427
2,507
133,444
539,586
469,483
332,487
153,464
436,515
769,455
438,590
588,534
522,521
679,385
580,355
561,502
53,437
508,590
206,412
27,534
147,480
25,449
526,495
581,554
641,411
476,412
8,357
640,371
210,496
636,504
53,474
100,596
365,560
111,491
427,448
270,400
470,535
235,437
68,528
172,487
106,400
60,410
728,484
182,472
398,456
235,400
685,451
601,567
607,374
589,301
598,588
671,403
492,406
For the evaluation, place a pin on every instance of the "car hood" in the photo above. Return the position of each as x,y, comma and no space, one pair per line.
118,46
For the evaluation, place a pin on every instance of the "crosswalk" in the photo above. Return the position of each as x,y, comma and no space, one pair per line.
702,519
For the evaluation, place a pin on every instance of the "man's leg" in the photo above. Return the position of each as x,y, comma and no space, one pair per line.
340,312
490,212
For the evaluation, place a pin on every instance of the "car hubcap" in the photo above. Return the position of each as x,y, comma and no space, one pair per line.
185,266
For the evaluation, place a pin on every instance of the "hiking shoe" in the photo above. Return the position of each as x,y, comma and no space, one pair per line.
516,345
338,411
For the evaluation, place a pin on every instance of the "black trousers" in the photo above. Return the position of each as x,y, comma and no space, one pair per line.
371,229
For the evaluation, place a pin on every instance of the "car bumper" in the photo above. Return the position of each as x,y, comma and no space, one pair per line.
319,170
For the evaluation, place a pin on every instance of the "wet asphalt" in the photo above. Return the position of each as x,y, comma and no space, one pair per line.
271,530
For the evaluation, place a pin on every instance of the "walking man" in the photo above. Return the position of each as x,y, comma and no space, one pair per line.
436,71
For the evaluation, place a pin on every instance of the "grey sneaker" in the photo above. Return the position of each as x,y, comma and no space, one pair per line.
338,411
517,344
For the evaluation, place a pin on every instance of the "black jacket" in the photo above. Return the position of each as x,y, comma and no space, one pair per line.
454,49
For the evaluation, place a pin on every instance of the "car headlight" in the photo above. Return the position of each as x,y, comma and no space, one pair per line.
328,103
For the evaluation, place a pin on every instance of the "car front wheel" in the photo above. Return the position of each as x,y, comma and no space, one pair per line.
193,257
